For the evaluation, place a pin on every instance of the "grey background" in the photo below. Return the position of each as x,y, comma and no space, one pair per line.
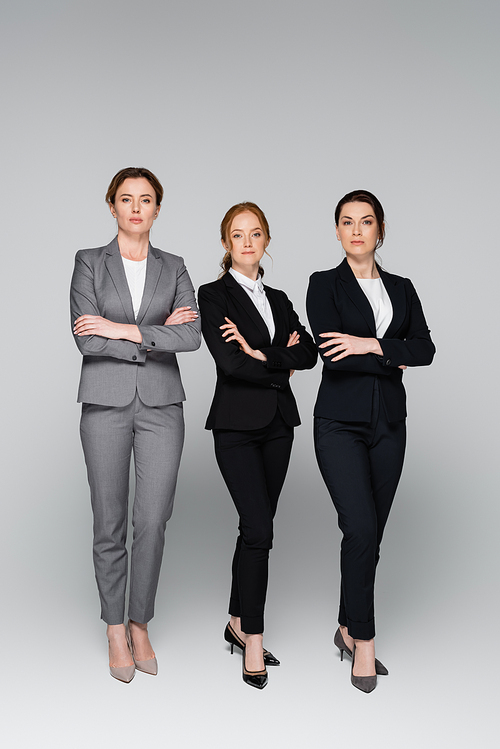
290,105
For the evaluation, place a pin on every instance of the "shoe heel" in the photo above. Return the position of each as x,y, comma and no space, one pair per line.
232,648
341,655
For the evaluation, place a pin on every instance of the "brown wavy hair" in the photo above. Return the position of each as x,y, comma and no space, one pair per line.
225,231
133,172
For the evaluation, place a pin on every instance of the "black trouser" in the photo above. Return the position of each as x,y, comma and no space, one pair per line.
361,464
253,464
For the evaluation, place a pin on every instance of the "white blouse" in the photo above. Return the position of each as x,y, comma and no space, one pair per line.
255,290
380,302
136,278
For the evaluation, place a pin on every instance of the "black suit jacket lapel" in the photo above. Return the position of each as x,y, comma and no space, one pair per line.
279,317
240,296
114,265
396,290
356,294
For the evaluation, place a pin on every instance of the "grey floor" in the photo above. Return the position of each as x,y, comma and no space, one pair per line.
289,104
442,687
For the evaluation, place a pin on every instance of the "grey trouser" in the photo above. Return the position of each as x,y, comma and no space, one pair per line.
156,435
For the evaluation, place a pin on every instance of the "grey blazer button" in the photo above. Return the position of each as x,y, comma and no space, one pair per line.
153,343
134,358
388,361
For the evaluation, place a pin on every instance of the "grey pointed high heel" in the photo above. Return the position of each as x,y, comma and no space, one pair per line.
149,666
364,683
338,640
123,673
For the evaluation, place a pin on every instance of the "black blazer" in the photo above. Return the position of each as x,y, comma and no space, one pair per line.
248,391
336,303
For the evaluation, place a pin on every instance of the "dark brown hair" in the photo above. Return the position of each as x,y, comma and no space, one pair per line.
133,172
363,196
225,230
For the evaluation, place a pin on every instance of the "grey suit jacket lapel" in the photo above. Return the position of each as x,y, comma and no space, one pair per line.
154,268
114,265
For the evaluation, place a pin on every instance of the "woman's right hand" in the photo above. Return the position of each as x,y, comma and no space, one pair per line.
181,315
231,333
293,339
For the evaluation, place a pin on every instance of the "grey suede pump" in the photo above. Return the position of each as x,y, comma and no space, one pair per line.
339,641
364,683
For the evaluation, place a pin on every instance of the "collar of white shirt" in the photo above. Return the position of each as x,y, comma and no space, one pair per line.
255,286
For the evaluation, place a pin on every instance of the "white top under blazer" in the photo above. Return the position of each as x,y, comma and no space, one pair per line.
380,302
135,270
256,292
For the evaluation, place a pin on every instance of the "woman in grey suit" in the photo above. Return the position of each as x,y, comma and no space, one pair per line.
132,309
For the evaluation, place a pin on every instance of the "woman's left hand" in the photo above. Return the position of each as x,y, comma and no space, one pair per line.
231,333
347,345
181,315
95,325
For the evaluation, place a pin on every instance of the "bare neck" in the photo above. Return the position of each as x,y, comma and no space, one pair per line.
250,272
133,246
363,267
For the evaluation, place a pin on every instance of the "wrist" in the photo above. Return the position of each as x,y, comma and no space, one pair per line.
132,333
259,355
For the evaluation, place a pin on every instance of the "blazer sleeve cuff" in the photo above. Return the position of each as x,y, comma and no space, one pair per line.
280,380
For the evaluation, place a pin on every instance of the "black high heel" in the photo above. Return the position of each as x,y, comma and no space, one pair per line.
364,683
338,640
232,638
257,679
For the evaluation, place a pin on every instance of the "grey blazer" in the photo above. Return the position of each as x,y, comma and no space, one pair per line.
112,370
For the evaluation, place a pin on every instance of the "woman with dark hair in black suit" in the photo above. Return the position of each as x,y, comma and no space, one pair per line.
257,342
369,326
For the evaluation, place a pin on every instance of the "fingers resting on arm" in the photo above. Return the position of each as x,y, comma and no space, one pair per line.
231,333
347,345
181,315
96,325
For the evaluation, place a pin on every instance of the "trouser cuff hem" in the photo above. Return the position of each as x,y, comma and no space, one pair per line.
112,619
140,617
361,630
252,625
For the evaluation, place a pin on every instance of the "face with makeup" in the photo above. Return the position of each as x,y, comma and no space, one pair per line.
135,206
248,242
358,229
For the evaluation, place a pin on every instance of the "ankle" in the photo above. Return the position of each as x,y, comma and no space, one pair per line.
143,626
365,643
114,631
